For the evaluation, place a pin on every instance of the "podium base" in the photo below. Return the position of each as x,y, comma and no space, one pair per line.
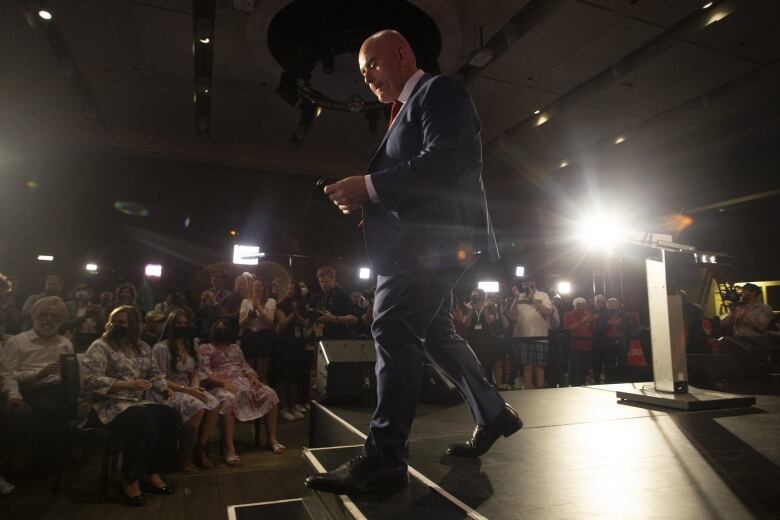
696,399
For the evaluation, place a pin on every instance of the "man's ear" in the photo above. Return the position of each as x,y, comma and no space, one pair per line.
401,54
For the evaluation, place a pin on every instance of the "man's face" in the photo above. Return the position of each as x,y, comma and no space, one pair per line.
379,63
217,279
82,293
326,281
46,324
106,297
355,298
529,284
124,295
749,296
53,286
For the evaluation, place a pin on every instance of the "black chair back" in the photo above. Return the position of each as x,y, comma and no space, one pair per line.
71,382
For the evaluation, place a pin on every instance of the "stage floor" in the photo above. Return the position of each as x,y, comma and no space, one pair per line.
581,454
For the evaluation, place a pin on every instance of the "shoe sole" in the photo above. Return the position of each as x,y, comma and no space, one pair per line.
386,484
514,429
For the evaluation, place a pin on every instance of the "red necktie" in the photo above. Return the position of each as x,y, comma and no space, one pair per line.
394,112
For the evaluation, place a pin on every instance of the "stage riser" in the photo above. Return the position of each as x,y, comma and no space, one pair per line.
326,431
322,506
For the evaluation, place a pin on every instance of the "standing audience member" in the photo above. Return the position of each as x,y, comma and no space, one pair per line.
177,359
241,393
119,377
52,287
579,324
288,363
478,322
615,342
31,365
84,316
751,317
332,306
214,301
126,294
256,326
599,328
557,359
175,299
529,312
9,314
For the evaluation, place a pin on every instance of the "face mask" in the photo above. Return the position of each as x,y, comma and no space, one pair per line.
117,332
220,336
183,331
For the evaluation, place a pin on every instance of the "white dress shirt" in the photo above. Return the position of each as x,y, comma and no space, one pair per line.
403,97
26,354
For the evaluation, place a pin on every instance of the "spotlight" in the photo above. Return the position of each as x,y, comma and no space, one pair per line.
364,273
541,119
564,164
489,286
44,14
600,231
153,271
519,271
620,139
232,232
564,287
707,5
537,112
46,258
247,255
91,268
204,40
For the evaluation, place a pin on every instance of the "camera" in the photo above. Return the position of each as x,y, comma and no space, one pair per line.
732,297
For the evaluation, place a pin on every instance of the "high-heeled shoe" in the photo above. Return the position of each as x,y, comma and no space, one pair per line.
136,501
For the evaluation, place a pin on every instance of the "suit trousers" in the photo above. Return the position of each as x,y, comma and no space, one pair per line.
412,320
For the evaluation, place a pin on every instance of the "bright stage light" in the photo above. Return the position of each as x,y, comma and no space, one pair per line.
46,258
600,231
564,287
520,271
92,268
364,273
247,255
153,270
44,14
489,286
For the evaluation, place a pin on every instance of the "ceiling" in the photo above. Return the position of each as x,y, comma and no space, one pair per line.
684,93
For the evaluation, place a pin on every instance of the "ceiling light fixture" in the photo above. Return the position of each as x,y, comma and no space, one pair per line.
619,139
205,40
707,5
44,14
564,164
537,112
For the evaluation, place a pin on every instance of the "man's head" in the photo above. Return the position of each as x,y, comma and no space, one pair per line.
326,276
217,278
47,314
126,294
580,305
529,283
613,304
477,296
356,297
600,301
386,62
751,293
81,293
53,285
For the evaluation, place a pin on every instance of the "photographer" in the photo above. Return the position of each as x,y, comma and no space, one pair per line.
333,309
478,323
748,316
529,312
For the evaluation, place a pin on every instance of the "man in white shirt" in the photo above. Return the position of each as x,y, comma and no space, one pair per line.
529,314
752,317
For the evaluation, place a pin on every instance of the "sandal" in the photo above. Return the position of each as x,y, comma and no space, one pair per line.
233,460
278,448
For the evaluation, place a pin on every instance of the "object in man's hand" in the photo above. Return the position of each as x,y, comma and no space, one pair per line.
318,200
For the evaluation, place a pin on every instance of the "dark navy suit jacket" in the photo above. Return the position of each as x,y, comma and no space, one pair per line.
427,173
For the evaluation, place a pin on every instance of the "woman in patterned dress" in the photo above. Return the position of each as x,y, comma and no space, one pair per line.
119,378
177,359
242,395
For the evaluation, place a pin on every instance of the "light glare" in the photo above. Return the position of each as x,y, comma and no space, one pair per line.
46,258
520,271
364,273
246,255
600,231
564,287
92,268
46,15
153,270
489,286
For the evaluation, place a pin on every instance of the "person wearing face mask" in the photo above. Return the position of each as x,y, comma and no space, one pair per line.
84,316
177,359
30,363
120,380
242,395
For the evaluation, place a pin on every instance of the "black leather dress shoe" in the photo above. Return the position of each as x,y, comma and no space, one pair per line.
151,488
483,437
358,475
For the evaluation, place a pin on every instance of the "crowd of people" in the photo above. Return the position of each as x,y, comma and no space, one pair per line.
163,379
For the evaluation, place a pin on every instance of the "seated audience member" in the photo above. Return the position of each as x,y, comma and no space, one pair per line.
579,323
175,299
332,307
751,317
288,361
52,287
127,295
214,301
177,359
84,316
241,393
120,377
31,365
615,342
152,328
256,328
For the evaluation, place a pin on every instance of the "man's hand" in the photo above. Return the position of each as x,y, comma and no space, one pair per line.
53,368
327,317
348,194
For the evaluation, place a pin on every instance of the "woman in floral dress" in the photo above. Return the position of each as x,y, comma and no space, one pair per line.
120,378
236,385
177,359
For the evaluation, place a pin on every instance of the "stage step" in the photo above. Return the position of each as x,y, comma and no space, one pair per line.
282,510
418,500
